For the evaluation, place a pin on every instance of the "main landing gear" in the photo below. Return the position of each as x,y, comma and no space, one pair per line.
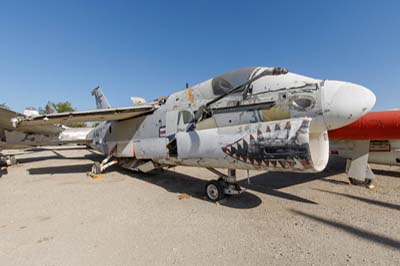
364,183
98,168
225,185
357,168
6,161
3,164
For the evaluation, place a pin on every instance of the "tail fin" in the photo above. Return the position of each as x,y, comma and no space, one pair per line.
101,100
51,108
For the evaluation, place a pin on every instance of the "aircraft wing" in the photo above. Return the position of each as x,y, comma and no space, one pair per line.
111,114
5,118
5,123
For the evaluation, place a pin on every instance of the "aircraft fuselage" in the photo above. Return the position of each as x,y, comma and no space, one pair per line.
284,116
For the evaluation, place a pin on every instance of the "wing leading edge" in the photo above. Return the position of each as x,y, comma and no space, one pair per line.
111,114
6,116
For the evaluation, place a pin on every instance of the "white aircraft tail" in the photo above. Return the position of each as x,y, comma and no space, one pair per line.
137,100
31,112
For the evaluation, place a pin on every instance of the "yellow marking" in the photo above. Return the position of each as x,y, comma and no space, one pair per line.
184,196
93,176
98,177
190,95
275,114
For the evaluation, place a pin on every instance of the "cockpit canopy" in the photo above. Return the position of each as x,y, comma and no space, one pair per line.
230,80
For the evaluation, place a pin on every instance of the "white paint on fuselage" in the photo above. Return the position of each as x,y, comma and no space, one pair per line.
286,93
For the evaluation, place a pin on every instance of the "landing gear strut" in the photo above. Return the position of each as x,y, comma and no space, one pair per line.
98,168
357,168
226,185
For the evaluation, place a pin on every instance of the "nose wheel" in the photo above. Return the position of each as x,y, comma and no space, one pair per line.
216,190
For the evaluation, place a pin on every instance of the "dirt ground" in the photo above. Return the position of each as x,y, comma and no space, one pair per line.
52,213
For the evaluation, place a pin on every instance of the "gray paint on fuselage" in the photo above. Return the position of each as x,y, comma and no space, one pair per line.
280,90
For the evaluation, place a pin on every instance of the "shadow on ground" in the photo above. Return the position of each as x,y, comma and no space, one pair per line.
180,183
58,156
169,180
373,237
271,182
366,200
62,169
386,172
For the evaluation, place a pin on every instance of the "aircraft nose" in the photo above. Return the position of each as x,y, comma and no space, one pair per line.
345,102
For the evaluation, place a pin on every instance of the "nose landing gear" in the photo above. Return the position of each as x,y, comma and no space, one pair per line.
216,190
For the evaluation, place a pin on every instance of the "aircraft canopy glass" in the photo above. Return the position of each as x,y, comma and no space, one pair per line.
230,80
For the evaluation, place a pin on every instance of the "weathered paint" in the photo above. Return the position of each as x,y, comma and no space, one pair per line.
282,100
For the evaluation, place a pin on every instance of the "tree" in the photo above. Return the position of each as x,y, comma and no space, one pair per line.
60,107
63,107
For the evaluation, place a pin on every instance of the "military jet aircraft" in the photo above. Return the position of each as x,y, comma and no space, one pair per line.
258,118
33,136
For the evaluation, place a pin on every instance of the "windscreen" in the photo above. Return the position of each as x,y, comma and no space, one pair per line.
230,80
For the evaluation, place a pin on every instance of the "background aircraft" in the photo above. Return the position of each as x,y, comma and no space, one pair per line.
33,136
251,118
23,137
374,138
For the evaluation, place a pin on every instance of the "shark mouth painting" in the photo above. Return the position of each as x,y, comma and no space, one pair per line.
275,145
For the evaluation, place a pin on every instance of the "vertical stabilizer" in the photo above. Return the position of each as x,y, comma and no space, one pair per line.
101,100
51,108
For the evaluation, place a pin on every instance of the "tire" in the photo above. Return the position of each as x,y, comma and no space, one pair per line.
3,163
96,168
214,191
356,182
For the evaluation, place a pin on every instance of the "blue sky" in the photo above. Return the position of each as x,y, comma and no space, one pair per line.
60,50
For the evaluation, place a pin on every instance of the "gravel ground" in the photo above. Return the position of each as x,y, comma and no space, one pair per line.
53,214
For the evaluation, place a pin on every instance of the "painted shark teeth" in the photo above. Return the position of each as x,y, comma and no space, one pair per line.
262,149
